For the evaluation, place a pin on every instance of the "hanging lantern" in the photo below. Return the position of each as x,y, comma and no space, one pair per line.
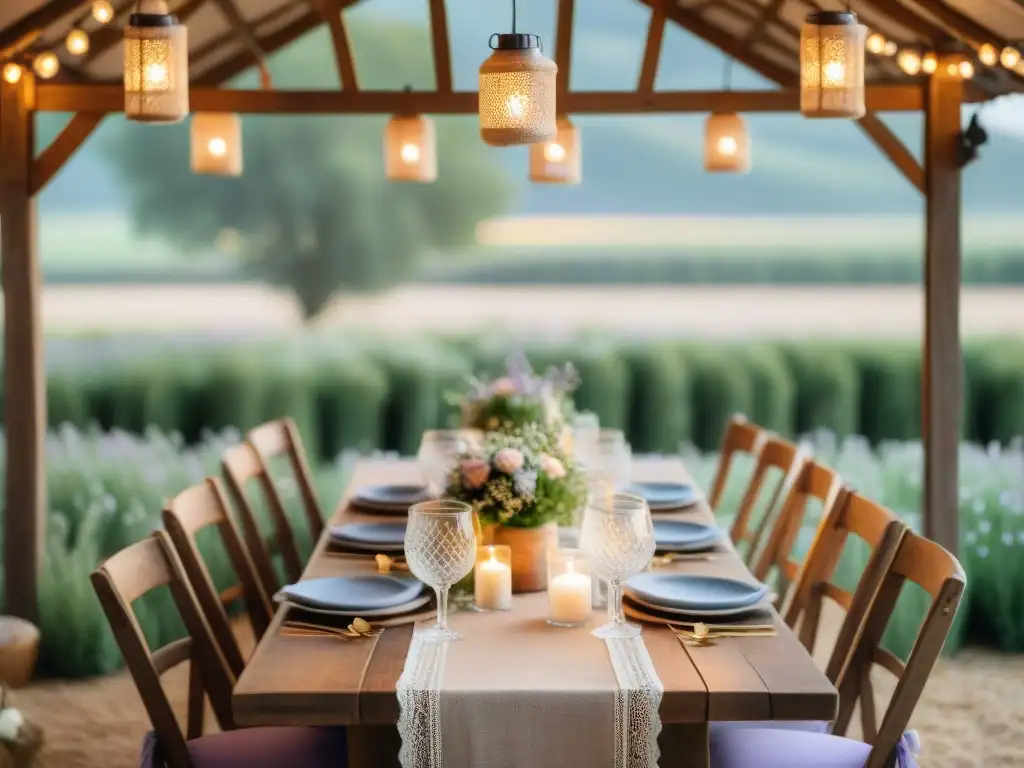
410,149
517,93
558,161
102,11
46,64
77,42
726,144
155,65
12,72
832,65
217,144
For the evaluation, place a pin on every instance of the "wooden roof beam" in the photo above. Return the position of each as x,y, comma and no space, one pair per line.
652,48
768,13
563,46
218,43
78,129
245,33
894,149
112,33
331,12
906,17
110,98
440,45
22,33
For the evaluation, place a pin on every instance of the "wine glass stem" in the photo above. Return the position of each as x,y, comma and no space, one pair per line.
615,617
442,607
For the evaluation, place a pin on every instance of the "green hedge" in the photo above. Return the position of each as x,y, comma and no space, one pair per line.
371,393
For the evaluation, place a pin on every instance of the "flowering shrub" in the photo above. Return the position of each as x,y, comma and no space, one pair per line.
521,478
519,397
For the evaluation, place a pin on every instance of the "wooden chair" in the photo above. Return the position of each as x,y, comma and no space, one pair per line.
251,460
741,436
774,453
812,480
129,575
190,512
882,532
940,575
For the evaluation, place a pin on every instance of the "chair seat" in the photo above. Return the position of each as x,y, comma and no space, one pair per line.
271,748
814,726
775,748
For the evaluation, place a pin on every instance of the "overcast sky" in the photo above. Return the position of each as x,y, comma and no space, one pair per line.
1005,115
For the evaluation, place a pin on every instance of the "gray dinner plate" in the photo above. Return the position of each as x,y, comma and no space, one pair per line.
684,536
362,613
370,534
663,496
394,498
353,593
694,592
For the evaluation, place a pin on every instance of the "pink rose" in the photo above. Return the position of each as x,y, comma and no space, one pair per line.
552,467
504,387
475,472
508,460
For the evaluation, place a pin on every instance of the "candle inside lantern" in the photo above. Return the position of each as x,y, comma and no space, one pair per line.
569,590
492,581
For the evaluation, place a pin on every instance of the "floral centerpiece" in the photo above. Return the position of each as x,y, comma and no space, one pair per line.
519,397
521,484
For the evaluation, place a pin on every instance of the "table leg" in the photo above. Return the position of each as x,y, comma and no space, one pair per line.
684,745
373,746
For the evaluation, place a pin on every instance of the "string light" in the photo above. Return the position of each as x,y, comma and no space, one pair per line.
102,11
1009,57
876,43
909,61
46,64
929,62
890,48
77,42
12,72
988,55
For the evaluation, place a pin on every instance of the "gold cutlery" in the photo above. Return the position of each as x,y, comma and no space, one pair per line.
683,557
701,634
358,628
385,563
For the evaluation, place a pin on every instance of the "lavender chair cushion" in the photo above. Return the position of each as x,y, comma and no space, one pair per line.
774,748
814,726
262,748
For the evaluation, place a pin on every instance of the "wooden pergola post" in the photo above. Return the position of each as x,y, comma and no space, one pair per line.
24,378
942,371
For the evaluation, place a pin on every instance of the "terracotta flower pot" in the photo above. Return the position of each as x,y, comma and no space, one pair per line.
529,554
19,647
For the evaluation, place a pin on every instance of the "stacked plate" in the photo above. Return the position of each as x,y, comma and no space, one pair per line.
667,497
682,596
370,596
389,499
369,537
683,536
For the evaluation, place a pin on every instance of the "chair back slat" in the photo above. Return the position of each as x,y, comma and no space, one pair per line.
932,568
118,583
190,512
241,465
774,453
850,513
741,436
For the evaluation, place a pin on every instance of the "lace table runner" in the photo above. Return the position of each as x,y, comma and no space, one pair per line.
580,701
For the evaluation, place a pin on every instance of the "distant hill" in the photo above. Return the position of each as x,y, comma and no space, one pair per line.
648,163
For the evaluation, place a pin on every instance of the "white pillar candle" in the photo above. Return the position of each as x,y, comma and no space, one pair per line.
492,584
569,597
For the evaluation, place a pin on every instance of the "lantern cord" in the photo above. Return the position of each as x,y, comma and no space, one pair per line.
728,73
513,17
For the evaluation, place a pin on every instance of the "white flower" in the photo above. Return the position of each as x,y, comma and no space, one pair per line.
982,551
11,721
984,526
971,537
508,460
979,506
1007,538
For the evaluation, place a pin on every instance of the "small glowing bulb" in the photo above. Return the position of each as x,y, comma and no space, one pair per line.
217,146
929,62
966,70
1009,57
910,62
46,65
835,73
554,152
988,55
156,74
516,105
410,153
727,146
77,42
1019,69
12,72
102,11
890,48
876,43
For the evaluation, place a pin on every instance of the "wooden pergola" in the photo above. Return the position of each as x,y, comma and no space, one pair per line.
229,36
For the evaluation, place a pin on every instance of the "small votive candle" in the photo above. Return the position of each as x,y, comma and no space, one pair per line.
492,578
569,588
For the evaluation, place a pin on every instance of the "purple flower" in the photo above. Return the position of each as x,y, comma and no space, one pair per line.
525,483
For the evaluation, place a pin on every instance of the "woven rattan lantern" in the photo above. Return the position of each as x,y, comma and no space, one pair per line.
517,92
410,149
155,65
832,65
558,161
217,144
726,144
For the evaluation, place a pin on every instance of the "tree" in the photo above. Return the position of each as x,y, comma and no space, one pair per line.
312,209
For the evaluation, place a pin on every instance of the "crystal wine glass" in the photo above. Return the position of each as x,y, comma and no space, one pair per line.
614,458
439,451
440,548
618,539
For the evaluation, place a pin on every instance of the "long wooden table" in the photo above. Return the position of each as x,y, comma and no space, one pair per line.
325,681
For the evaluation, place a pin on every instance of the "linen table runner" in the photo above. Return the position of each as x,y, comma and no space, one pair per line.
579,701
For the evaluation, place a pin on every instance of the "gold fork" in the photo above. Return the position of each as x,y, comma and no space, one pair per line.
701,635
358,628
